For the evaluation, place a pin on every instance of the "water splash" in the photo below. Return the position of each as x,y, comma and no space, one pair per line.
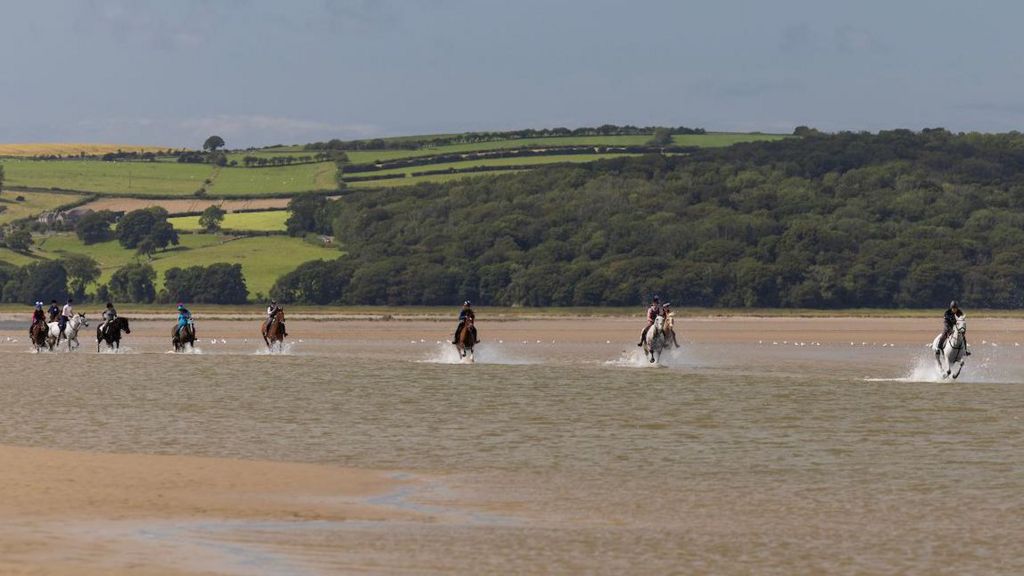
104,349
445,353
985,365
670,358
277,349
187,350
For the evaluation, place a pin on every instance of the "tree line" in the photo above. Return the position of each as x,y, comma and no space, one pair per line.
414,143
894,219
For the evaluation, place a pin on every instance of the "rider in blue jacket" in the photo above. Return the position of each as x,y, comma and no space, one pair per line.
184,317
466,314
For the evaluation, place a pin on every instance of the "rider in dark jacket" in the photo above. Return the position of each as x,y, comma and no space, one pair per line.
466,314
53,311
949,318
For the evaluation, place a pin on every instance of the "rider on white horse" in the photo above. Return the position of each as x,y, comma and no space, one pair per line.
66,313
653,312
949,319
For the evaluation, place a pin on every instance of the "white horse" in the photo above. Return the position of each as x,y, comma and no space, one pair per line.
654,342
75,323
954,350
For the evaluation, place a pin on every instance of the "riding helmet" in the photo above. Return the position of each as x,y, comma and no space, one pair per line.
953,304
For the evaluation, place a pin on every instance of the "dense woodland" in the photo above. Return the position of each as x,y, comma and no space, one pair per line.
897,219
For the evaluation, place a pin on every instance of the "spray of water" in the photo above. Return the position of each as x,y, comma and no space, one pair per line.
670,358
445,353
188,350
987,364
277,349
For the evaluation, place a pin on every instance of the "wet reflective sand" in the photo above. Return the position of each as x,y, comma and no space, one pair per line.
773,446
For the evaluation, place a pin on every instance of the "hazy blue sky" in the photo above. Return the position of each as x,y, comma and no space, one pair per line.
262,72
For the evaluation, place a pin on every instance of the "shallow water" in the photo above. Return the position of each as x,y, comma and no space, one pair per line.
578,456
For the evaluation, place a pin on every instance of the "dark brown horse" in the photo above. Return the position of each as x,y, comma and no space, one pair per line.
273,331
465,340
38,335
184,335
111,333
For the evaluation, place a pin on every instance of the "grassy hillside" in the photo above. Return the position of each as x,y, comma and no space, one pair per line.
139,179
269,221
71,149
263,258
34,203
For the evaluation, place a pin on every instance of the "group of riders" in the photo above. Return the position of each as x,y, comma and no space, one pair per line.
63,314
59,314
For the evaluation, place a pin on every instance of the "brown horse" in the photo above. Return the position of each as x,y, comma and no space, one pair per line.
273,331
38,335
184,335
465,340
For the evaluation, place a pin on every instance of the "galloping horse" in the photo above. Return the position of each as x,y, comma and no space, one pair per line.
273,331
38,335
70,331
954,350
112,334
465,340
654,343
184,335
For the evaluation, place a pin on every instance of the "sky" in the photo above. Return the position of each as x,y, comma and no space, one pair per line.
265,72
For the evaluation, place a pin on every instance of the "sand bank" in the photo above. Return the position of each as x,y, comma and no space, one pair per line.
88,513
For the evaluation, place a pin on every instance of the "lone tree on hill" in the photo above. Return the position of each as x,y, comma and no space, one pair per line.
212,143
211,218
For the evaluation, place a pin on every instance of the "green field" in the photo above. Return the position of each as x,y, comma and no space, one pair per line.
35,203
527,160
127,178
390,183
263,258
167,178
269,221
709,140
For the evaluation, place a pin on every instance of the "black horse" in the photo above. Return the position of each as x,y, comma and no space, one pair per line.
111,333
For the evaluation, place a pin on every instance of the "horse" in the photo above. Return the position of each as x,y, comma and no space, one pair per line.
654,342
953,351
184,335
112,334
70,331
37,334
273,331
670,331
465,340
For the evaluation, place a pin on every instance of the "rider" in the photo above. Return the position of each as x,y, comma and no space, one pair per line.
949,319
653,312
667,312
184,317
38,317
66,313
109,314
466,314
272,311
54,311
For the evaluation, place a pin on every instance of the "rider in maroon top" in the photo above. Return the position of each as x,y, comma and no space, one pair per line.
653,312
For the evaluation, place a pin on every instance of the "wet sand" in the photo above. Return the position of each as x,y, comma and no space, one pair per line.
768,445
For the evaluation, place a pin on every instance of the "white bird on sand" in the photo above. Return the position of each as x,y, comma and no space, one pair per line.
223,341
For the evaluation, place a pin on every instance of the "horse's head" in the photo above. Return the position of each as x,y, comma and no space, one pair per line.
279,315
961,324
124,324
81,319
659,322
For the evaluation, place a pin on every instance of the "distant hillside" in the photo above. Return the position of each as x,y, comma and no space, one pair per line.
897,219
66,149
